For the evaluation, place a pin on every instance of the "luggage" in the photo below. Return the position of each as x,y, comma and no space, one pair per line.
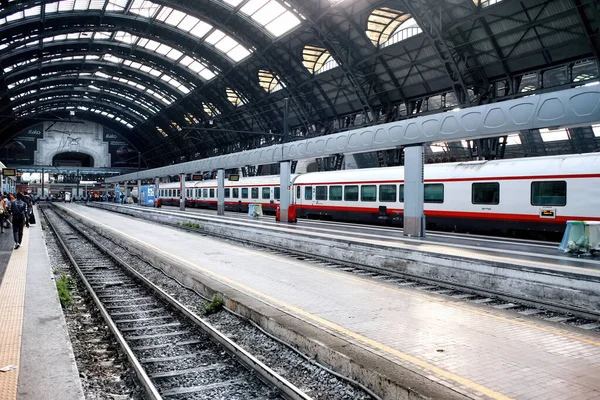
32,219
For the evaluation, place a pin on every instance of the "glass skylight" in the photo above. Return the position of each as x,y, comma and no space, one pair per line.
270,14
438,147
210,109
317,59
190,119
162,131
486,3
387,26
234,98
554,135
192,25
269,81
513,139
196,66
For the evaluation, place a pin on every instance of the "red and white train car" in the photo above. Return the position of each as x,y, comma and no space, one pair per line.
503,196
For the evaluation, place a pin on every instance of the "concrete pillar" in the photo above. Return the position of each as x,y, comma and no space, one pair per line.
156,189
139,190
182,189
414,191
284,191
221,192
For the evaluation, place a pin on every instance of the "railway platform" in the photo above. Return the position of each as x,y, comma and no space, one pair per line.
35,351
437,346
525,271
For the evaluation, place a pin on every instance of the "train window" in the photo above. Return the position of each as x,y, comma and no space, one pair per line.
321,193
198,193
297,192
236,193
401,193
351,193
178,193
308,193
212,193
244,193
277,192
434,193
205,193
335,193
549,193
266,193
485,193
387,193
254,193
227,193
368,193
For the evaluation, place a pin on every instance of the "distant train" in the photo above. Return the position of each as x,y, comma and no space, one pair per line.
517,197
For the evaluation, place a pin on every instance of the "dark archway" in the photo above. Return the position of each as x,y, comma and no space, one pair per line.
70,159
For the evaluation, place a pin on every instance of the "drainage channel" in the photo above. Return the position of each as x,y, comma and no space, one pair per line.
174,353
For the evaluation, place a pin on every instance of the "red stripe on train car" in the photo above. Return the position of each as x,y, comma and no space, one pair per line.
454,214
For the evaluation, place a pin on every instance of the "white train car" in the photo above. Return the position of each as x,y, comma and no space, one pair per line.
516,196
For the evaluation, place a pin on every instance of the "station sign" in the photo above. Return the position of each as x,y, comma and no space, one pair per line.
9,172
197,177
234,178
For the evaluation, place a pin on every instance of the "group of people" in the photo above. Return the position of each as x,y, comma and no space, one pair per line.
16,212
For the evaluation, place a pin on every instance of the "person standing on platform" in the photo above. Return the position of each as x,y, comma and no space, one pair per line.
18,209
6,219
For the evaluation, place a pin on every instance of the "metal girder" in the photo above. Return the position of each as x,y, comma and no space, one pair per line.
593,37
431,22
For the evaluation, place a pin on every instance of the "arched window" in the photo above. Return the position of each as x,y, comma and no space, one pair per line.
234,98
210,109
269,81
317,59
387,26
485,3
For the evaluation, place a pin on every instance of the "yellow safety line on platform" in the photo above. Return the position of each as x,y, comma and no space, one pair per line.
12,302
328,324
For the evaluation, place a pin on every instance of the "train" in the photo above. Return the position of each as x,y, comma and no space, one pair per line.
526,197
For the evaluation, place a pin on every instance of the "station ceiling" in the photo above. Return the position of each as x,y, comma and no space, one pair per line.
189,79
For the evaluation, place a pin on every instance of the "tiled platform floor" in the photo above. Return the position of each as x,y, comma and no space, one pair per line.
33,334
473,349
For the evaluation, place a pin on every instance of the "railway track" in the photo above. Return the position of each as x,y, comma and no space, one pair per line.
174,353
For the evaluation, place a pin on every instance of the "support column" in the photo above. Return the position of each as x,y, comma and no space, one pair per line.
414,192
156,190
43,183
221,192
284,190
139,187
106,186
182,190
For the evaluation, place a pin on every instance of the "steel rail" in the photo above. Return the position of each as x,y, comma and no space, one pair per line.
287,389
149,387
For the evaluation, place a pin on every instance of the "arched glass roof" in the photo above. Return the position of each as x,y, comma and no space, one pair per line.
387,26
234,98
49,107
269,81
196,66
154,12
275,17
317,59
